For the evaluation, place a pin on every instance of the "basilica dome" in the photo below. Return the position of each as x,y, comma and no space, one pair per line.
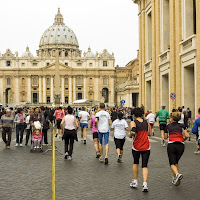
58,35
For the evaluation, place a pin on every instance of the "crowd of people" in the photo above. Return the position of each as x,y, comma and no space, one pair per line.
35,122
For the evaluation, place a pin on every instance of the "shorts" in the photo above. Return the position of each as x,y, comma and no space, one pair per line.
106,138
84,125
95,135
175,151
162,127
119,143
151,124
145,157
58,122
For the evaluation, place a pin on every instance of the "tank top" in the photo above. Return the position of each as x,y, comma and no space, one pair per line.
69,122
141,139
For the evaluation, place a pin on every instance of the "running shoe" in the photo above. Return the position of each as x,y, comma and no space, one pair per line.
69,158
174,181
101,159
197,151
145,188
98,155
17,144
106,161
178,179
66,155
119,160
20,145
134,184
84,141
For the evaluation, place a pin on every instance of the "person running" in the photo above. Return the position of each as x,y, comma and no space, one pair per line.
120,127
140,131
103,121
163,116
151,119
95,135
113,115
20,120
84,117
70,132
196,131
175,148
6,127
59,114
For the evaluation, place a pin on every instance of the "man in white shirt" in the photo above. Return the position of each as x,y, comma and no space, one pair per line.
151,120
84,117
103,120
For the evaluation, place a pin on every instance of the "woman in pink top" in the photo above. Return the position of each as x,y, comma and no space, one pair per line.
69,122
198,116
95,135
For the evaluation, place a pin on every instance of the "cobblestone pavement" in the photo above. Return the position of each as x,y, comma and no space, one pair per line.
26,175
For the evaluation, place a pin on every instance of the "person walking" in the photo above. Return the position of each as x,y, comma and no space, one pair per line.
45,127
151,119
70,132
113,115
20,120
102,121
6,127
28,126
95,135
120,127
140,131
59,114
176,134
84,117
163,116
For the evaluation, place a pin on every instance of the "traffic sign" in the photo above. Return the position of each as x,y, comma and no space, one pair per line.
173,96
122,101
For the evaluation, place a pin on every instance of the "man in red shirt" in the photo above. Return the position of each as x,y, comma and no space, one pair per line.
59,114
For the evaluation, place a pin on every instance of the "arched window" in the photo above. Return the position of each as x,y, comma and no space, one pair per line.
66,53
48,81
66,81
8,81
105,94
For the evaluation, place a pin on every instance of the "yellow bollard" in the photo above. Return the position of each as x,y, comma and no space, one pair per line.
53,166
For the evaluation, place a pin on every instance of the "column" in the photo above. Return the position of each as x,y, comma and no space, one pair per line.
17,101
70,90
29,89
96,89
52,96
44,90
1,90
112,87
74,88
85,87
62,90
40,89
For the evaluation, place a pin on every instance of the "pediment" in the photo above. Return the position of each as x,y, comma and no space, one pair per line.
53,66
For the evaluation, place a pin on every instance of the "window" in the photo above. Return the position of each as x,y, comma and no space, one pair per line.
66,53
90,64
8,81
66,88
47,64
48,99
66,64
149,37
7,63
79,96
35,81
48,81
105,63
66,81
66,100
79,81
105,81
48,88
79,88
79,64
23,64
35,64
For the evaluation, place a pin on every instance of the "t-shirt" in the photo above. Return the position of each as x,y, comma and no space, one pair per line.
69,122
119,128
163,115
84,117
92,124
197,116
151,118
103,121
146,114
59,114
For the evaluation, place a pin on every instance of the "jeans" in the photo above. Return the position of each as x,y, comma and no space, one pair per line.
28,133
9,132
19,133
44,131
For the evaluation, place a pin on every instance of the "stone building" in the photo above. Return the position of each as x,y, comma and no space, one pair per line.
127,84
169,46
59,74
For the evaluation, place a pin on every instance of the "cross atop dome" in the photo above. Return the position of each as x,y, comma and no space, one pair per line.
58,18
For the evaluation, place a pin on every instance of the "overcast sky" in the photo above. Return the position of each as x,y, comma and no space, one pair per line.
100,24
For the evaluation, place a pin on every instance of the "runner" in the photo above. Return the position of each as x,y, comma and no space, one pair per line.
103,120
84,117
196,130
151,120
120,127
59,114
175,147
95,135
163,116
140,131
113,115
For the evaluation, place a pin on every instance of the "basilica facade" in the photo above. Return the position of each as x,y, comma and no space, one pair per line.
59,72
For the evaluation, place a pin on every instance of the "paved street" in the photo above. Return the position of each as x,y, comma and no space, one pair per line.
26,175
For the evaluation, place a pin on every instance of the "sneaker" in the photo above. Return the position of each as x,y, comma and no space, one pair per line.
101,159
98,155
197,151
163,144
119,160
84,141
106,161
66,155
56,134
145,188
178,179
174,181
134,184
20,145
69,158
17,144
